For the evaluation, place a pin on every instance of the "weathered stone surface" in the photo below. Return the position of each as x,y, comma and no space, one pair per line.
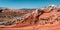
41,19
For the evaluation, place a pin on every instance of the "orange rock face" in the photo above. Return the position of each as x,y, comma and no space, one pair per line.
40,19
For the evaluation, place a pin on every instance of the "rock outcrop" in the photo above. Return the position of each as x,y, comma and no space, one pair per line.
41,19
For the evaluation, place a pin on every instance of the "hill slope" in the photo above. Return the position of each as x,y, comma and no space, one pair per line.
41,19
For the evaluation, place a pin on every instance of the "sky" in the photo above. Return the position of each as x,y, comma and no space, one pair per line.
19,4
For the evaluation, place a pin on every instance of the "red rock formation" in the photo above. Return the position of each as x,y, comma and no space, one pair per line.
41,19
10,13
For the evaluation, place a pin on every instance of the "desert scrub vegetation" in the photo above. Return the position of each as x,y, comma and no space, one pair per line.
2,16
9,17
58,18
44,18
8,23
2,20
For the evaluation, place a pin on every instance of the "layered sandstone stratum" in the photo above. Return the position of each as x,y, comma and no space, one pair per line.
47,18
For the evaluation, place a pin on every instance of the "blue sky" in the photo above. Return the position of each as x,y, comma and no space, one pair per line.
18,4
